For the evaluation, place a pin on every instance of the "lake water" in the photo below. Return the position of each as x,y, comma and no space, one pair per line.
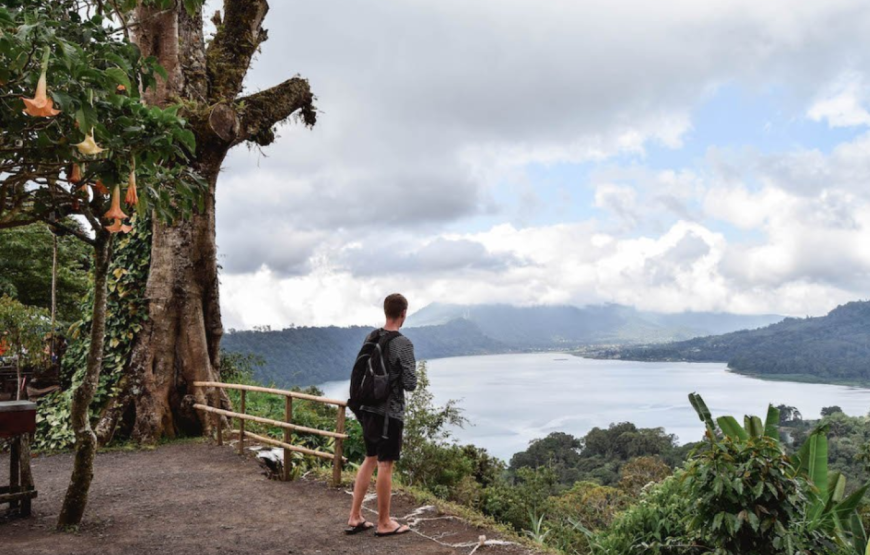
510,400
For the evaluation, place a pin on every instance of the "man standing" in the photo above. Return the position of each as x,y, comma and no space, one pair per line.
384,449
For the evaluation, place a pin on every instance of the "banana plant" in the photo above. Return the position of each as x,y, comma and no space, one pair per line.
830,509
752,425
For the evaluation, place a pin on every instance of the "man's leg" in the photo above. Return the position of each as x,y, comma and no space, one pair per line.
360,488
384,488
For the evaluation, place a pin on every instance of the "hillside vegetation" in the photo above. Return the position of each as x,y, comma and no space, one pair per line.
624,490
832,348
302,356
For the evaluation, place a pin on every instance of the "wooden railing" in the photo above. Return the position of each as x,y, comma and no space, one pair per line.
287,425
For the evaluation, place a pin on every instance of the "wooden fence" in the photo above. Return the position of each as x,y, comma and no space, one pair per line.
287,424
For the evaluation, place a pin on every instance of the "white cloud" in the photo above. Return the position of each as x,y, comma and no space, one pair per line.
844,104
429,107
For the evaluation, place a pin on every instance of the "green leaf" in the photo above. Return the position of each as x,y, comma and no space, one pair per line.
771,423
187,137
119,77
731,428
703,412
844,509
817,462
836,486
753,426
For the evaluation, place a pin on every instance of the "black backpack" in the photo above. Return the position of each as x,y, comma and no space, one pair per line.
370,379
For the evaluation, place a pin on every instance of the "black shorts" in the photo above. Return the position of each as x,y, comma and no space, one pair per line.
389,449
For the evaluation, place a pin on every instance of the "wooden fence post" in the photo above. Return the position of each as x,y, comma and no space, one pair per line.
288,418
220,422
336,462
242,426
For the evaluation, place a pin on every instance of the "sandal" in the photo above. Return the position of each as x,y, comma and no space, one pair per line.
361,527
397,532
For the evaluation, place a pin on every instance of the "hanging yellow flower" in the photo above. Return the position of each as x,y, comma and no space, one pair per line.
89,146
115,211
41,105
132,197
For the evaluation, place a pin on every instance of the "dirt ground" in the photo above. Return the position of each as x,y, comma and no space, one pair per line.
201,499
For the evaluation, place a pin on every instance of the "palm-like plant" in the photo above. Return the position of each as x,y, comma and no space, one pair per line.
830,510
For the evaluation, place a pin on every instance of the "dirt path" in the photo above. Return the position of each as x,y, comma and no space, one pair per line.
201,499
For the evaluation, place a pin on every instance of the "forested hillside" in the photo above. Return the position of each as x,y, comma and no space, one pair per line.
308,355
835,347
554,327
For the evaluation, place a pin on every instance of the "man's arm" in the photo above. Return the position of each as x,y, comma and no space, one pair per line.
409,365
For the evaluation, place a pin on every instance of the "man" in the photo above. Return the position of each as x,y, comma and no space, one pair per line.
382,452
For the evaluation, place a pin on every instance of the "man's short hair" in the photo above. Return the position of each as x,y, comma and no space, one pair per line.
395,305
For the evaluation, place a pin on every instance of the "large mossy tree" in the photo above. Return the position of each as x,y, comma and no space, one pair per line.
179,342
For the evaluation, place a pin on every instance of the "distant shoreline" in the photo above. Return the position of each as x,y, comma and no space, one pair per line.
797,378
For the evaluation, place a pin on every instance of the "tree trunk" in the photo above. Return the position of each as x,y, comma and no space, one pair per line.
180,342
86,441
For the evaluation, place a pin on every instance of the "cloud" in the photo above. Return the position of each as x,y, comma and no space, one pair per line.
435,116
620,200
844,104
432,259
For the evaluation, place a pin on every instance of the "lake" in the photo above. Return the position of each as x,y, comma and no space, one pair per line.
510,400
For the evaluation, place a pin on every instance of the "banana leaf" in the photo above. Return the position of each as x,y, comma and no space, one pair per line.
771,423
703,412
753,426
848,506
812,459
731,428
836,487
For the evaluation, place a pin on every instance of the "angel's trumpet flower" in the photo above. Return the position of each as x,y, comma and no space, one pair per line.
119,227
100,187
115,211
132,197
89,146
75,174
41,105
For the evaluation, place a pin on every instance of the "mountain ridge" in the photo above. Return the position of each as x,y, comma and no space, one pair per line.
314,355
834,348
551,326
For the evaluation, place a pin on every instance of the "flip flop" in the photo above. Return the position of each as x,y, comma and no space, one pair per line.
361,527
395,532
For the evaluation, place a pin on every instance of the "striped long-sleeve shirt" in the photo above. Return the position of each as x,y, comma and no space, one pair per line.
403,375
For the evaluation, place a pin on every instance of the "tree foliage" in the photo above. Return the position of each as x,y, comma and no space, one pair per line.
23,330
91,78
26,268
600,454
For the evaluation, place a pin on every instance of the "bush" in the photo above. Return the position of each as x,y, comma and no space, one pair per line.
653,526
746,498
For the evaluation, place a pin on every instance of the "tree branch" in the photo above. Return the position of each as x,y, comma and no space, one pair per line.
77,233
260,112
235,42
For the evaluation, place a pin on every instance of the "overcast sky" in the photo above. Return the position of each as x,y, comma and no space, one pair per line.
671,155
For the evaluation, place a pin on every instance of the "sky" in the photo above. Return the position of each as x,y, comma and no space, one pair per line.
671,155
